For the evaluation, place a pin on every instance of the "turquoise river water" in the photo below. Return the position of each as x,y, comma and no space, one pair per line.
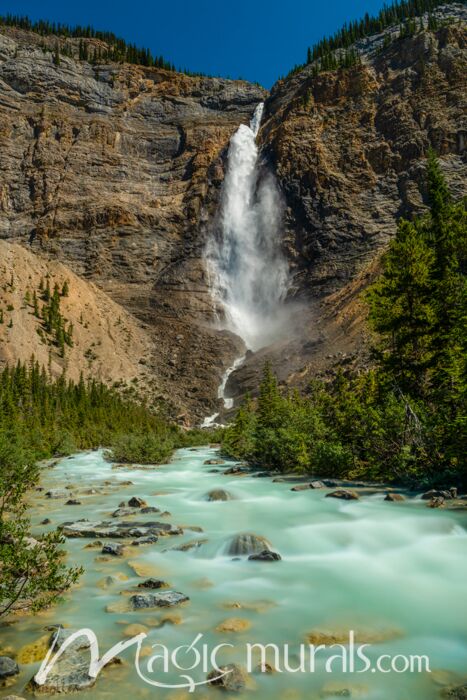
394,572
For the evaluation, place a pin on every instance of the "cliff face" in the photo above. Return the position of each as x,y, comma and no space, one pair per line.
113,169
348,147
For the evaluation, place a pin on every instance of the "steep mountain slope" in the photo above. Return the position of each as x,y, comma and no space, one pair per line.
113,169
105,341
348,147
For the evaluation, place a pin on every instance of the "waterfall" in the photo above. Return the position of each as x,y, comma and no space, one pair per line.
247,269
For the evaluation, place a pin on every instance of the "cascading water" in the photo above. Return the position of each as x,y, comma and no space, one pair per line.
248,271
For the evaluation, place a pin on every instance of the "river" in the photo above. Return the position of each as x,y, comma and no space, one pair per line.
394,572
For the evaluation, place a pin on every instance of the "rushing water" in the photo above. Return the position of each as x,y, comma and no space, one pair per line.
248,270
364,565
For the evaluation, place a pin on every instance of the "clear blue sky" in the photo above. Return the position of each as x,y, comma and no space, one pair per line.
258,40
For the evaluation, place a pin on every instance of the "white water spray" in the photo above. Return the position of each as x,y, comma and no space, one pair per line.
248,271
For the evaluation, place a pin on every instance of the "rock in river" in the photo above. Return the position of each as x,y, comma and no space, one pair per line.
218,495
247,543
345,494
234,680
394,497
455,692
157,600
214,461
111,530
153,583
8,667
116,550
266,555
136,502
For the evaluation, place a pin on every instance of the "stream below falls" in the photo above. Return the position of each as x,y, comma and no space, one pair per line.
395,572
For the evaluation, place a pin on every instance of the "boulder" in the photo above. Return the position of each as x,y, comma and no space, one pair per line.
116,550
237,469
214,461
436,502
153,583
266,555
147,539
46,521
247,543
345,494
72,502
157,600
234,680
435,493
317,485
136,502
394,497
70,673
301,487
8,667
218,495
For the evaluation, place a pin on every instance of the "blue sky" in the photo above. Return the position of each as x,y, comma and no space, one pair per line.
258,41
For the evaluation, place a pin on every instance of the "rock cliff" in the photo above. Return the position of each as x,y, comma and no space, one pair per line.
115,170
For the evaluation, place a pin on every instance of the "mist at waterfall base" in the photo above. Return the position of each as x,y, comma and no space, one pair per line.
249,274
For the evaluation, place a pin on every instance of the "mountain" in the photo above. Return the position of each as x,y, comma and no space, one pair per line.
115,170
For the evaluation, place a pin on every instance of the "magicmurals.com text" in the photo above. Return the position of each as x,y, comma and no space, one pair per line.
198,657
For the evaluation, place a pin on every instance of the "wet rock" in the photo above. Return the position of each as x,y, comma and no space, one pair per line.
46,521
57,493
186,546
109,530
261,475
237,469
150,509
218,495
148,539
214,461
157,600
453,492
247,543
234,679
394,497
435,493
436,502
70,672
116,550
8,667
233,624
72,502
266,555
345,494
136,502
317,485
124,512
214,471
301,487
153,583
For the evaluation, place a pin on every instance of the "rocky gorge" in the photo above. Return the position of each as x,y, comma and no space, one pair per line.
116,172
